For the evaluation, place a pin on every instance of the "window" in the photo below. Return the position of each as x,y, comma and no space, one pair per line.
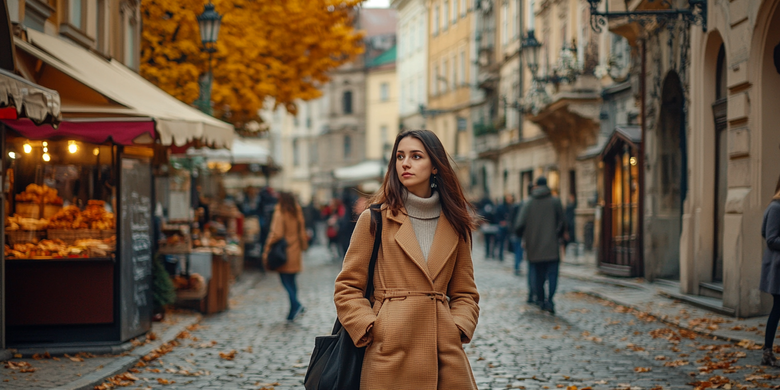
505,23
434,81
463,8
296,153
346,102
516,19
76,11
435,20
446,13
100,26
347,146
384,92
454,12
445,67
421,31
453,74
130,44
462,73
420,91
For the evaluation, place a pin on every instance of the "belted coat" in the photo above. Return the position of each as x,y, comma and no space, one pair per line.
422,312
293,229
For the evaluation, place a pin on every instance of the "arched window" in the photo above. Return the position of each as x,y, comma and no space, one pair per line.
347,102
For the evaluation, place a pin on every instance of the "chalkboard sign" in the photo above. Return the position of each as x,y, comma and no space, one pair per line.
135,247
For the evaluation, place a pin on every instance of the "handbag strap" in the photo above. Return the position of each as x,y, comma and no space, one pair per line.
376,219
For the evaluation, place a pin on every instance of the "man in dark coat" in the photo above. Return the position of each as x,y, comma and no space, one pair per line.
542,224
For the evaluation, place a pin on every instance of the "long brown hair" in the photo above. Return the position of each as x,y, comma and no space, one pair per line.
454,205
777,191
287,203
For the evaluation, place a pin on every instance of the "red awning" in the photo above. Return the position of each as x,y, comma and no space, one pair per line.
98,132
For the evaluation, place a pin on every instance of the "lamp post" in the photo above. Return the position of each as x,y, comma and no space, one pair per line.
208,22
531,48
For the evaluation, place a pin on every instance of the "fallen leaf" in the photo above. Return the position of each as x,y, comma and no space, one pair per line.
642,369
229,355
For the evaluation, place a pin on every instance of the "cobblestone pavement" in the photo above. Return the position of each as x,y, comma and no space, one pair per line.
588,343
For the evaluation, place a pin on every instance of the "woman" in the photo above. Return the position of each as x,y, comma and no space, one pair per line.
770,273
288,223
425,301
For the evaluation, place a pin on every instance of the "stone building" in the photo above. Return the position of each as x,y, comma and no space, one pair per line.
733,162
412,60
451,76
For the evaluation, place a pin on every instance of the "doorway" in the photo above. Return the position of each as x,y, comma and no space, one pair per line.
719,112
672,182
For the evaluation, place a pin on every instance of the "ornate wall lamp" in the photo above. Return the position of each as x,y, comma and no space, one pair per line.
696,13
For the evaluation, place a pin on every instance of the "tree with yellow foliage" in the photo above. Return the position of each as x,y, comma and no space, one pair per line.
279,49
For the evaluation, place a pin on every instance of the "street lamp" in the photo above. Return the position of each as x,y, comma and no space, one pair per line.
531,52
208,22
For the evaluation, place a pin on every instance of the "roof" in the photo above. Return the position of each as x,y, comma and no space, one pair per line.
377,21
176,122
387,57
631,135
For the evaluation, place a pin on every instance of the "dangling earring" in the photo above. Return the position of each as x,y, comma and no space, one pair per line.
433,181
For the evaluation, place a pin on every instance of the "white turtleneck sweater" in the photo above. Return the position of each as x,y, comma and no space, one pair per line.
424,213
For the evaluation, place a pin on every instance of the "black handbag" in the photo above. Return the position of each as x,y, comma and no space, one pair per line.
277,255
336,362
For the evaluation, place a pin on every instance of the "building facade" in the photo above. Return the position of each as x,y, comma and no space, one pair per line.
733,159
109,27
412,60
451,78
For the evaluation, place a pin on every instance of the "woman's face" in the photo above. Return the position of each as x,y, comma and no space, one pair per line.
414,167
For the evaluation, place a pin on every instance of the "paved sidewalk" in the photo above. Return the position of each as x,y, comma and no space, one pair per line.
66,369
658,301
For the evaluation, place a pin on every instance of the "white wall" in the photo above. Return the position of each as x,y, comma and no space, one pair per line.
412,57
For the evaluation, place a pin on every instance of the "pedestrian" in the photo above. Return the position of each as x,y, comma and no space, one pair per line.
287,223
502,218
425,302
542,225
489,226
770,274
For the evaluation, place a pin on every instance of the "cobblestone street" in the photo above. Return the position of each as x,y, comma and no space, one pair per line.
589,343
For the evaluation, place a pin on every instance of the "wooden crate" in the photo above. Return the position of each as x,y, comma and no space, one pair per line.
24,236
71,235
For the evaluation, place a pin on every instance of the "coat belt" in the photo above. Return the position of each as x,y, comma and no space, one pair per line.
383,294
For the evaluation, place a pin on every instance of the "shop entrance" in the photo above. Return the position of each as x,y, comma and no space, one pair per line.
671,184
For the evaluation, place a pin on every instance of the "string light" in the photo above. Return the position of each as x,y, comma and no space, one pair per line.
27,148
12,155
46,157
72,147
96,151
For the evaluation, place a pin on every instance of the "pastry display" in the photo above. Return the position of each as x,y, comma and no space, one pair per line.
18,222
39,194
57,249
94,217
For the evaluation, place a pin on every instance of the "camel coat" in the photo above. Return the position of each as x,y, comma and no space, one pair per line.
422,311
293,229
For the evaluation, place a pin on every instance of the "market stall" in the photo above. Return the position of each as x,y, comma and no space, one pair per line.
77,235
198,241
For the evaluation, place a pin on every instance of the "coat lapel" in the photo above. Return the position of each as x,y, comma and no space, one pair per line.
407,240
445,241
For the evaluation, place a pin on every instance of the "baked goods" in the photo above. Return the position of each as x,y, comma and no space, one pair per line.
94,217
39,194
18,222
58,249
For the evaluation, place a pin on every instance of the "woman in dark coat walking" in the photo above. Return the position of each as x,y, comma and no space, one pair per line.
770,274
